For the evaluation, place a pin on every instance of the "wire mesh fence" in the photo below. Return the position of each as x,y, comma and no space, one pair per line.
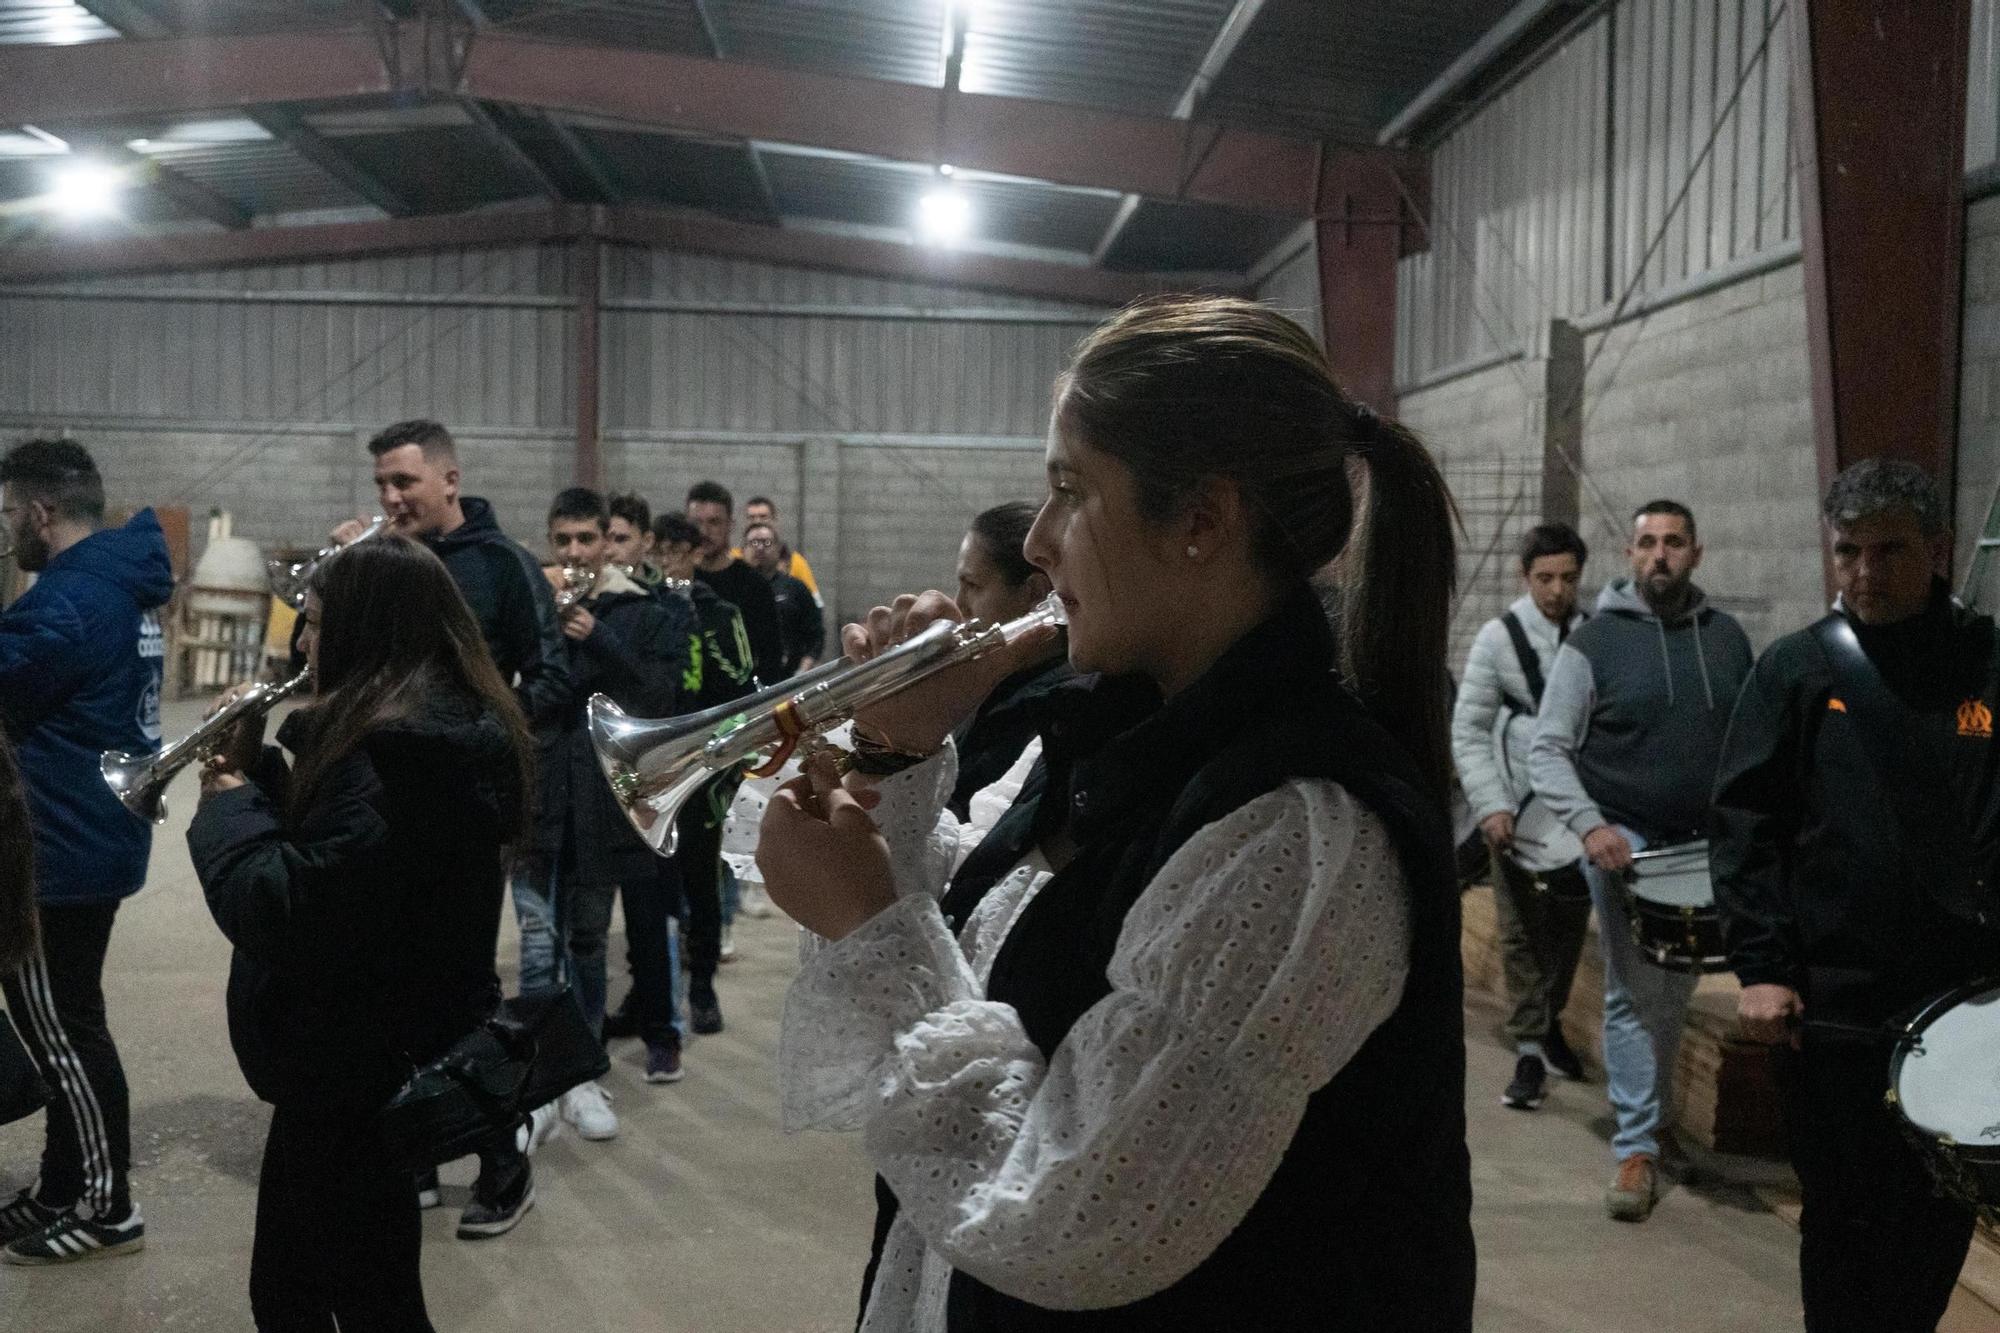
1499,499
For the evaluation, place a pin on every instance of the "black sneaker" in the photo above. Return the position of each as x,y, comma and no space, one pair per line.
1530,1083
663,1061
1561,1060
705,1016
72,1237
621,1022
499,1213
23,1216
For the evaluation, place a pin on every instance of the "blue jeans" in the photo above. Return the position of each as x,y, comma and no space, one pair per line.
535,911
1644,1009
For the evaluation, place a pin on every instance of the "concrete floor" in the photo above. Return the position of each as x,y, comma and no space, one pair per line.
701,1215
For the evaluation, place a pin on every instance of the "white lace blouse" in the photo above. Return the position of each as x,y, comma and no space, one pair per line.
1246,975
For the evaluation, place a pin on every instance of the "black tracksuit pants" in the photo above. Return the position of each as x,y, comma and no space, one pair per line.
57,1002
1879,1252
650,900
338,1231
699,852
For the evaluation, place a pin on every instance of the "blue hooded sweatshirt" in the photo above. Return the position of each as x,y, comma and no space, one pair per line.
81,661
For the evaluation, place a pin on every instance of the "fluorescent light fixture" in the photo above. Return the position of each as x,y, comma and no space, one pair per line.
944,216
85,190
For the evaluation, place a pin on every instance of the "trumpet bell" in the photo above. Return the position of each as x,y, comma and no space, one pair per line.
136,782
288,580
654,766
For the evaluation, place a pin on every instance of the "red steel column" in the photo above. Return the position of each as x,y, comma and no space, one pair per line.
589,298
1878,94
1367,219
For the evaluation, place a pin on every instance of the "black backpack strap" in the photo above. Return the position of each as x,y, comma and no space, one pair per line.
1531,665
1915,786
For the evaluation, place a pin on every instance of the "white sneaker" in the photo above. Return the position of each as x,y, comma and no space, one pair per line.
588,1107
756,903
727,953
544,1123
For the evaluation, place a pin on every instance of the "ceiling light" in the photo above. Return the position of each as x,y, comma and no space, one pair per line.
86,190
944,216
946,168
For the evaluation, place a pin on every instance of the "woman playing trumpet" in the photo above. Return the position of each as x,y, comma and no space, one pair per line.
361,889
1185,1050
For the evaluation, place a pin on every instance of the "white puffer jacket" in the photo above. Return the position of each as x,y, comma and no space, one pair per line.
1489,739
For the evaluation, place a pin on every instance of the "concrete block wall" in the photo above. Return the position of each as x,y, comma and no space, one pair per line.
1483,429
1708,401
1979,388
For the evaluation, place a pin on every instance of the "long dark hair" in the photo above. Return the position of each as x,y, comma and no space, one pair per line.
394,630
20,936
1003,533
1179,388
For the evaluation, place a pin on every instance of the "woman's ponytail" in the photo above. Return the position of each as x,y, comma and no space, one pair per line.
1396,583
1184,387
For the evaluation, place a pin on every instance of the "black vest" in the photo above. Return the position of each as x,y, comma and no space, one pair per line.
1366,1224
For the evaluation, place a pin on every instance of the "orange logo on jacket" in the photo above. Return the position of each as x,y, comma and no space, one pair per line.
1975,719
1836,706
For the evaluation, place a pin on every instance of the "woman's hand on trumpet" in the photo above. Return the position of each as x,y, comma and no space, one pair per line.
919,719
236,749
823,860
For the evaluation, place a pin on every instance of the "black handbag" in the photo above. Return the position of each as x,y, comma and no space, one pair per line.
532,1050
22,1091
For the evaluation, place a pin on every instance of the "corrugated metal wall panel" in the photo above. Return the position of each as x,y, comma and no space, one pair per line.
1982,89
1517,216
1634,136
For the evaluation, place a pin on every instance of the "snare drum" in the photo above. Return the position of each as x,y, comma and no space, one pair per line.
1944,1088
1674,919
1550,854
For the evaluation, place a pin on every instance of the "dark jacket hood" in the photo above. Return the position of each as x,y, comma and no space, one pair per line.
480,527
132,558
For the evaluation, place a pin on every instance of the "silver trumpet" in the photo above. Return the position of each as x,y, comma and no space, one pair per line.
139,781
655,765
288,580
575,583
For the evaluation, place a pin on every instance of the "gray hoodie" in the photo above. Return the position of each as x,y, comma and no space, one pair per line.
1634,714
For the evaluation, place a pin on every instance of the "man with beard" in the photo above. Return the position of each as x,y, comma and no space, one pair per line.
1624,753
710,508
81,658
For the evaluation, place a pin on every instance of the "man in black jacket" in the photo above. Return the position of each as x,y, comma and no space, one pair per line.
417,479
1853,828
711,508
799,617
621,643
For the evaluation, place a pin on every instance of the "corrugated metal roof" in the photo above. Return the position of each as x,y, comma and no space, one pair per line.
876,193
264,178
439,169
1330,67
901,40
661,25
1162,237
257,15
1344,67
689,173
50,23
1134,55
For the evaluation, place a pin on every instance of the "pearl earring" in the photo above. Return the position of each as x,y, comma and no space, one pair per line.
1193,553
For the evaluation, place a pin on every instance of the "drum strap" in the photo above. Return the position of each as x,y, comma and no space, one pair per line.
1916,791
